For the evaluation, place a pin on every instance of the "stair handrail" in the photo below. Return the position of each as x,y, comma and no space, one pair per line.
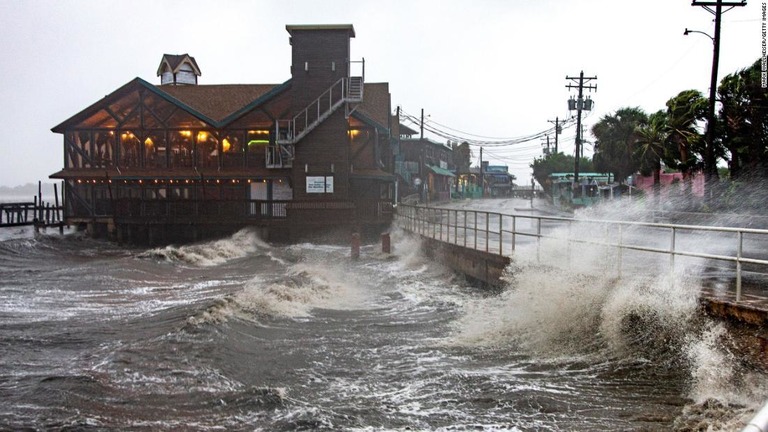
362,63
293,131
334,99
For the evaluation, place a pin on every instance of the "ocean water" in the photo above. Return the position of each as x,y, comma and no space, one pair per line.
240,334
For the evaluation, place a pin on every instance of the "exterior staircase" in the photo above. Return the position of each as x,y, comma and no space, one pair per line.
355,89
346,91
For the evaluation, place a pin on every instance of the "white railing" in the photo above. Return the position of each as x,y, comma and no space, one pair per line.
294,129
349,89
500,233
759,422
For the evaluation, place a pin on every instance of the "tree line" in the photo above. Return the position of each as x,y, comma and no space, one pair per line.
629,140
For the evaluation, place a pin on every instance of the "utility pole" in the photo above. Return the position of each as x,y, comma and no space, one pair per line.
422,124
710,164
579,105
482,175
546,152
558,129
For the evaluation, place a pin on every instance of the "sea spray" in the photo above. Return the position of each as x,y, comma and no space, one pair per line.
573,296
649,316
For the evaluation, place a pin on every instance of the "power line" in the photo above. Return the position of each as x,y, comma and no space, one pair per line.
445,132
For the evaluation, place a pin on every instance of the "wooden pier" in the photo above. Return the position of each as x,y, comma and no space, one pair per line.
33,213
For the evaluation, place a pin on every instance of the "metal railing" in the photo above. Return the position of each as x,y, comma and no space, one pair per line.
305,120
759,422
501,234
349,89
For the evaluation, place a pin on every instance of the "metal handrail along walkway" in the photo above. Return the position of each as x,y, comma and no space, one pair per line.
500,233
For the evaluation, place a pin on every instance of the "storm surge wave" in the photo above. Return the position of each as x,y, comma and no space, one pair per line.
576,306
243,243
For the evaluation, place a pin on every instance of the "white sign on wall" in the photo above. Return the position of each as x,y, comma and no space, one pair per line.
319,184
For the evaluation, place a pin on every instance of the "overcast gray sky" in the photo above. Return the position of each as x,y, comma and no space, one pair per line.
494,68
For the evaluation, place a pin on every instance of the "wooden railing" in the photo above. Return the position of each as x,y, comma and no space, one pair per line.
300,212
180,210
30,213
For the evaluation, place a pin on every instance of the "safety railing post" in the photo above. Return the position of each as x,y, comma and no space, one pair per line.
501,234
538,240
738,266
419,222
434,223
448,226
672,253
465,228
424,220
456,226
447,213
475,230
620,251
440,222
514,231
487,230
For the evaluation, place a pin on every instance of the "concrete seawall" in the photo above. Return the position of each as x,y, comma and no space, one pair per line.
479,266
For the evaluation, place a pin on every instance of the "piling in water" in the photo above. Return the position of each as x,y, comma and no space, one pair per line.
386,243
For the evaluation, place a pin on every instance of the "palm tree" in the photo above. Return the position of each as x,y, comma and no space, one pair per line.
651,141
615,142
683,112
734,115
744,124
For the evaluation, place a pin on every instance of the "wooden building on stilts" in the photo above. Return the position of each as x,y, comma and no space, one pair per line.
182,161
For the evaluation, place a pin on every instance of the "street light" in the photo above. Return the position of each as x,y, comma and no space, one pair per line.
716,9
687,32
710,166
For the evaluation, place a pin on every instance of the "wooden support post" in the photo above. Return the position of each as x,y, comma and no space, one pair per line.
34,215
40,198
56,200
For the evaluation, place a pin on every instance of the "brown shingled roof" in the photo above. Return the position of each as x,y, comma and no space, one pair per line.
217,101
376,100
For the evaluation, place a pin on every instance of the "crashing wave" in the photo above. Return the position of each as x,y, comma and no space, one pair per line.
241,244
